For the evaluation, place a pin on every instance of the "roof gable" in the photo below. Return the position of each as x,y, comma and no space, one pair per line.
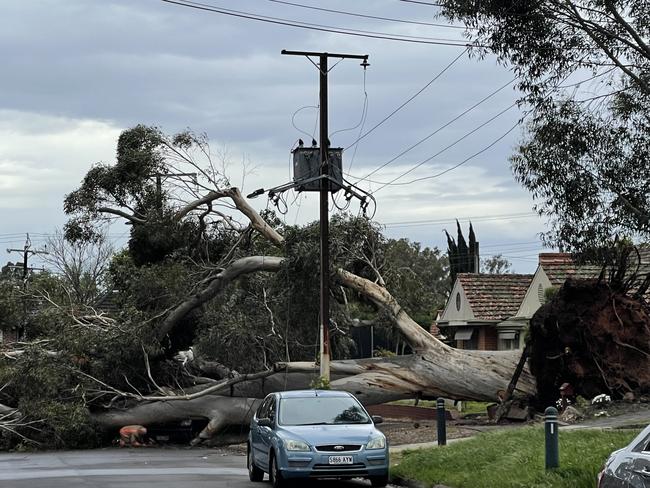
494,296
457,307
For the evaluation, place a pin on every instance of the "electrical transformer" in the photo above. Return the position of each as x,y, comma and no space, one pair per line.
306,168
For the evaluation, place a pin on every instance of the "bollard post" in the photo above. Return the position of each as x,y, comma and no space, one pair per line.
441,416
551,438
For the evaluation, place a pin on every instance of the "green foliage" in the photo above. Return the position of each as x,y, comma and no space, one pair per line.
417,277
588,173
127,183
496,264
48,393
383,353
320,383
549,293
513,459
65,425
11,310
585,155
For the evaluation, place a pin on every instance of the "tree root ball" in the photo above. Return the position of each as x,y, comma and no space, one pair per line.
593,338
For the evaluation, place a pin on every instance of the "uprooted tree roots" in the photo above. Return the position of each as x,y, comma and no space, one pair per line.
593,338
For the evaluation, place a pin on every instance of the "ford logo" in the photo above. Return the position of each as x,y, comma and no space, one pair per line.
339,448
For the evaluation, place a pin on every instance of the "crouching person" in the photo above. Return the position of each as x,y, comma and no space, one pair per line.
132,436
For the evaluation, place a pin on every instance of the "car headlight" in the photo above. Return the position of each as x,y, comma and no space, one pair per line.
294,445
377,443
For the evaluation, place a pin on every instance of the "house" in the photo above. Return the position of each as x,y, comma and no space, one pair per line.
483,311
492,311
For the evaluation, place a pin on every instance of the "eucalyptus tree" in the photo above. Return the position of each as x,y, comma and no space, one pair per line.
583,67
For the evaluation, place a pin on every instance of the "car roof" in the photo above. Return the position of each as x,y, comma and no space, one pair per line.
312,393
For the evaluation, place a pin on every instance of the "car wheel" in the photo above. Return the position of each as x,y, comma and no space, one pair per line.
275,475
379,481
254,473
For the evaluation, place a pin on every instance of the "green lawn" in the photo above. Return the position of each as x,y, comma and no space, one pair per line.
469,408
513,458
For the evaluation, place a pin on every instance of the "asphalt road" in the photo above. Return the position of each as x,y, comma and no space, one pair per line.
140,468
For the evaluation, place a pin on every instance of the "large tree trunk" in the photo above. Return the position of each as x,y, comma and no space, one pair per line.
434,370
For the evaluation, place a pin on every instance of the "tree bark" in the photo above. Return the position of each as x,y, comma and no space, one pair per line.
234,270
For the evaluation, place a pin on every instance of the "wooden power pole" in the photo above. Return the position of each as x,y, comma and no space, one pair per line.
324,200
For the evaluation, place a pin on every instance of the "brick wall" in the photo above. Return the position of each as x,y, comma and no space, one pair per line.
488,339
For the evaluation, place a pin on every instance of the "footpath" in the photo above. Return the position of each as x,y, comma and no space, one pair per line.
637,419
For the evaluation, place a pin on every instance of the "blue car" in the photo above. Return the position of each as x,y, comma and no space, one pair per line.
316,434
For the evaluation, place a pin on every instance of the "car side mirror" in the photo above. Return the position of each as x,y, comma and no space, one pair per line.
265,422
377,419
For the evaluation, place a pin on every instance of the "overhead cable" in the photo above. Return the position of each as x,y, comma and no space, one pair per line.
409,100
449,146
365,16
447,124
320,27
481,218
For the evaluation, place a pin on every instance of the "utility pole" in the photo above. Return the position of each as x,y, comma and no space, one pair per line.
26,252
324,199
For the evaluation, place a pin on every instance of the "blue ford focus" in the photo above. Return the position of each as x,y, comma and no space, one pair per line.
316,434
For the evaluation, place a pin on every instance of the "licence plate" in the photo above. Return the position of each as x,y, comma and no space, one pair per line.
340,460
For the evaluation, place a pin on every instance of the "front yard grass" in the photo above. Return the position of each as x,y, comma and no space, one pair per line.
513,458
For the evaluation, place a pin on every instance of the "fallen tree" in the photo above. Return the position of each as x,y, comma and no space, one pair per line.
434,370
594,338
92,365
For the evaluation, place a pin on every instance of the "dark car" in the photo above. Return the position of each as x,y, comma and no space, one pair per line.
316,434
628,467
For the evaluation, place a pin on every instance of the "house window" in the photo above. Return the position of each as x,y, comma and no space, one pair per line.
508,341
458,301
540,293
466,339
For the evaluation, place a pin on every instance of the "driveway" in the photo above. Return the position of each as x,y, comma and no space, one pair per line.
142,468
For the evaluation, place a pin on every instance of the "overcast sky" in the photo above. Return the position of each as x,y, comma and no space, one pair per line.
75,73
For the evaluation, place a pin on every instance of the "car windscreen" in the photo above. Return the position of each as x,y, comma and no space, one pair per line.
321,411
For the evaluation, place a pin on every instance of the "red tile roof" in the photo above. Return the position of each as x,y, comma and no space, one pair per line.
494,296
559,266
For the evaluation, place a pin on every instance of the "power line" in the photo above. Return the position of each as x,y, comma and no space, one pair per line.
365,16
447,124
320,27
430,4
501,244
392,182
429,83
481,218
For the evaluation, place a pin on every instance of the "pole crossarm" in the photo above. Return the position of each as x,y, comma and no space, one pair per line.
329,55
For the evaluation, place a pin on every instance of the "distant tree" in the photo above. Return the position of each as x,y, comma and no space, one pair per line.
496,264
80,265
462,257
